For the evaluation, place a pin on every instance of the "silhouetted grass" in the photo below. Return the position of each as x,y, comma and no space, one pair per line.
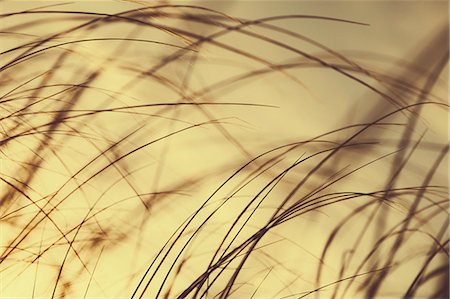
179,151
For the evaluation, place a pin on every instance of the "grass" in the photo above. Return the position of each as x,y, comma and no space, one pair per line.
184,151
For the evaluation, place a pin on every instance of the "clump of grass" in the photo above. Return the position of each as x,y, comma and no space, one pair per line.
181,151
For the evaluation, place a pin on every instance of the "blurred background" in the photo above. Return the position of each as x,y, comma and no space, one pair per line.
224,149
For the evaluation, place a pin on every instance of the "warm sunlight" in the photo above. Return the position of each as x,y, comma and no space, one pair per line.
224,149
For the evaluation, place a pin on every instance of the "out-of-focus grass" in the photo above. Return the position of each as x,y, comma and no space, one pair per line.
224,150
